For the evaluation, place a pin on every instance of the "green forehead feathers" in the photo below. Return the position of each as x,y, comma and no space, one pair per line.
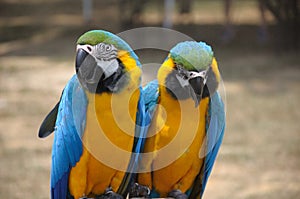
94,37
192,55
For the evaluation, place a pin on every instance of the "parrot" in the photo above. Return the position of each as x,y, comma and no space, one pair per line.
187,127
98,122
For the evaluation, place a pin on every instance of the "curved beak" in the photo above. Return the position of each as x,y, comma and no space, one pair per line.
87,71
196,89
80,57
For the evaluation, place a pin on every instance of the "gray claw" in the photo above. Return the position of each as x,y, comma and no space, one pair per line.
177,194
109,194
138,190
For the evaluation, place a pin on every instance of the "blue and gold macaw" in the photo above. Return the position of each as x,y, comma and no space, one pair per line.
98,121
187,127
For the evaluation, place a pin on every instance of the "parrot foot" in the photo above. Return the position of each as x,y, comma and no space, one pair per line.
177,194
138,190
109,194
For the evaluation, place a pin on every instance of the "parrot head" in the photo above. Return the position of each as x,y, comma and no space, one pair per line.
98,64
194,72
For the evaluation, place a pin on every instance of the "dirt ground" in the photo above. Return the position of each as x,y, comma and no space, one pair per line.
260,155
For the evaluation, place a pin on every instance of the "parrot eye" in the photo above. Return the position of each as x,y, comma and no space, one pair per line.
108,48
89,48
105,51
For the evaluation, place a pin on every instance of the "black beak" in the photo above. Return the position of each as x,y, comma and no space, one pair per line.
80,57
88,73
196,89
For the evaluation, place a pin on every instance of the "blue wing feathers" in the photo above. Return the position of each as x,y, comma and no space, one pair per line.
150,98
146,104
215,133
67,146
146,108
150,94
60,191
143,119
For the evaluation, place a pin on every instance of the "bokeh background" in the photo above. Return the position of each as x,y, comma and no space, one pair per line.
257,54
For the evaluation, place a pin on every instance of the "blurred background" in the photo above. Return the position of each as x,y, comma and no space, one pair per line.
256,43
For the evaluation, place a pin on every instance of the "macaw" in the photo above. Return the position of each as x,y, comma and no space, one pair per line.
98,121
187,127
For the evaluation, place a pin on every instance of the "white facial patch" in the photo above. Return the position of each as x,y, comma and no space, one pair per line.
202,74
184,76
108,67
183,82
105,55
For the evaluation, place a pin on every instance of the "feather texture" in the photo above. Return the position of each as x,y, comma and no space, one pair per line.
67,145
150,94
192,55
215,133
215,127
146,107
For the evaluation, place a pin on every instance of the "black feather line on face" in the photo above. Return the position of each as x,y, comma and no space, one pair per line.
115,82
174,88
